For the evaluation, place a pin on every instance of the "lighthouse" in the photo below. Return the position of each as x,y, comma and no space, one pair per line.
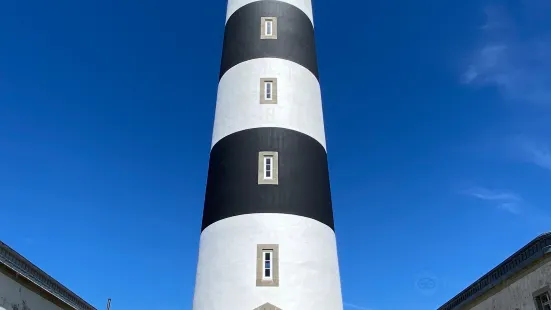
267,236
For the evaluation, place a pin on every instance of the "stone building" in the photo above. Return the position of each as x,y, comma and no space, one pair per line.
521,282
23,286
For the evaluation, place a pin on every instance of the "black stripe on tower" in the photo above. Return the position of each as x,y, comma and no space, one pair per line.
295,38
303,177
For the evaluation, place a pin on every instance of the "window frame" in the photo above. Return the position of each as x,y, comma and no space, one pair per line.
264,27
261,279
271,84
268,27
270,260
268,90
268,167
273,179
540,293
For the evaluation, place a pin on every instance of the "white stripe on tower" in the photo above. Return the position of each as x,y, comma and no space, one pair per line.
298,99
267,239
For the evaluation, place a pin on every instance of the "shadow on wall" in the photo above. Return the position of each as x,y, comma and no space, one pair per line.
5,305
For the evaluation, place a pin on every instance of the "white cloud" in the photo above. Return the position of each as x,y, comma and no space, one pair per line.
485,194
519,66
504,200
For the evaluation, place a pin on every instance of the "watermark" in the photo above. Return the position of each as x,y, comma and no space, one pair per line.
426,284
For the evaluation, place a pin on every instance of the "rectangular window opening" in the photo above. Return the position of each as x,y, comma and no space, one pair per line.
543,301
267,259
268,27
268,167
267,265
268,90
268,86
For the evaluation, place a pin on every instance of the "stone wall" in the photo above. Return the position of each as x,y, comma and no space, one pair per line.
516,293
14,296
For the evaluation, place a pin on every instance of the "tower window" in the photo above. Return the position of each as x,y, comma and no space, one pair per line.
268,28
268,165
267,275
268,90
268,168
267,268
542,298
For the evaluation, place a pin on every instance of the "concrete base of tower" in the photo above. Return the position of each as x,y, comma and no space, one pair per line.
307,265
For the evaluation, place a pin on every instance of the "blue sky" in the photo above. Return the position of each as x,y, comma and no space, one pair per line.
438,119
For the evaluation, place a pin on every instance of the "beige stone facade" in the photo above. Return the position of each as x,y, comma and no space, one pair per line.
521,282
518,292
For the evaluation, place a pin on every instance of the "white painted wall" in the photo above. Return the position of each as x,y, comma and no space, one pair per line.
308,264
299,105
518,295
12,293
303,5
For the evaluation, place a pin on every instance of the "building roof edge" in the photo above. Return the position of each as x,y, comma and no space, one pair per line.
531,252
15,261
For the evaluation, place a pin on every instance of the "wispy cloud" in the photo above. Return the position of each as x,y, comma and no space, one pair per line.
353,306
537,153
504,200
516,62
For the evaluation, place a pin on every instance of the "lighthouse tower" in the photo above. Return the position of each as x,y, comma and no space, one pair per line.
267,237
